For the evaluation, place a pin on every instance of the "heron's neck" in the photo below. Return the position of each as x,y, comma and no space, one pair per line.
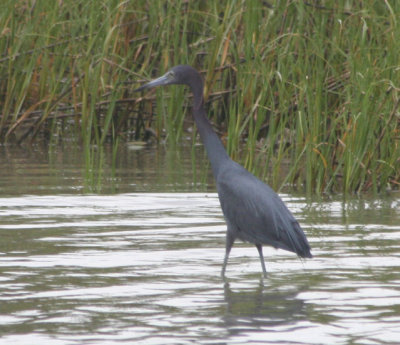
214,147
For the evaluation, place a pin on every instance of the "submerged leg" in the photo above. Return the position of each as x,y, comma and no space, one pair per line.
259,248
229,244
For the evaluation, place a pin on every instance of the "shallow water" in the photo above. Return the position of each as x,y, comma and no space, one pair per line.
140,262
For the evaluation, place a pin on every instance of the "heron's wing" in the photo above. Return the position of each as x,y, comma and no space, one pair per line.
257,213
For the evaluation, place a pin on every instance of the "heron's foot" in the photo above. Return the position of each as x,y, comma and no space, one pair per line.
264,274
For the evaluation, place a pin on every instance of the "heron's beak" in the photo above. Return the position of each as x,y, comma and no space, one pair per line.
164,80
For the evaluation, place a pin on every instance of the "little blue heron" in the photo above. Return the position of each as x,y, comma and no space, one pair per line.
253,211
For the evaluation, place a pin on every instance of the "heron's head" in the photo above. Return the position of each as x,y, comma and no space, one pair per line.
181,74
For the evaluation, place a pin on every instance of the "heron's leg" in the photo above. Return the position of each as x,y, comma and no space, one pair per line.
259,248
229,243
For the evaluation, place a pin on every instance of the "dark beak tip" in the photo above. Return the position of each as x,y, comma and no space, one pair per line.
140,88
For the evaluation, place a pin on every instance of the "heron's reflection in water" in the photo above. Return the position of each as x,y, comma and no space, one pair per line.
261,308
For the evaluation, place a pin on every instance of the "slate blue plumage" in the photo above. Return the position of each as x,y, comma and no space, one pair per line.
253,211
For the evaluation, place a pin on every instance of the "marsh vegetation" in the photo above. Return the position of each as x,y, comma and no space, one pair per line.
304,94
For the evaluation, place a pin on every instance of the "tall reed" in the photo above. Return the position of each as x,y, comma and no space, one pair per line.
304,94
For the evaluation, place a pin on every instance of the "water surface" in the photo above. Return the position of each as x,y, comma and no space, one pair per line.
132,253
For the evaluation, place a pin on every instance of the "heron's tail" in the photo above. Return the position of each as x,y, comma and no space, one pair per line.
298,241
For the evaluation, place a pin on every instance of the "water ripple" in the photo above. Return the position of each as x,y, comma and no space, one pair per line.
144,268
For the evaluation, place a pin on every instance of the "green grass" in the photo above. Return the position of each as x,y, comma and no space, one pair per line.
304,96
